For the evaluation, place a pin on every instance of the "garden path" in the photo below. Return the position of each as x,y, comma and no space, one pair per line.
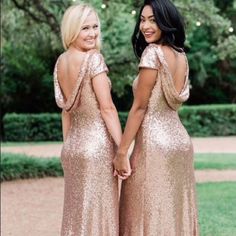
33,207
201,145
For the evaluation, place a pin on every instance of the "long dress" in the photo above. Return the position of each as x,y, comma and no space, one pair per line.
90,195
158,199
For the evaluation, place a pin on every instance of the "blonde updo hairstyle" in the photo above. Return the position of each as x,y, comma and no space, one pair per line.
72,22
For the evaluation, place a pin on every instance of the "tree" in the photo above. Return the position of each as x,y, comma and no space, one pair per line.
212,52
27,62
31,44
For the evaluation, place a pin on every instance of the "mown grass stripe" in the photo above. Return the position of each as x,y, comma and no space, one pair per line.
221,161
217,208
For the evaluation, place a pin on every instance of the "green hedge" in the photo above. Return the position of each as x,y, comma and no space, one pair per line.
32,127
19,166
200,121
16,166
209,120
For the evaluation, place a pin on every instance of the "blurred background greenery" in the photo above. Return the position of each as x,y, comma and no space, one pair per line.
31,44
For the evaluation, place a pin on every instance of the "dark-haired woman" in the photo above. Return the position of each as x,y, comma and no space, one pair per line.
158,199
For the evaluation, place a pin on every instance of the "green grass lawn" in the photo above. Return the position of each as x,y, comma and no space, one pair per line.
217,208
219,161
215,161
16,144
216,201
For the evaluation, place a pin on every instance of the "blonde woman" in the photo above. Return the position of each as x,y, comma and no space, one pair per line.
91,128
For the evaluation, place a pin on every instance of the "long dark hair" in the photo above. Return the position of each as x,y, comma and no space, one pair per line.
169,21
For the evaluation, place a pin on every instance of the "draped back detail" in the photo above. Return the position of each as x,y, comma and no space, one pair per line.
73,100
92,65
173,97
153,57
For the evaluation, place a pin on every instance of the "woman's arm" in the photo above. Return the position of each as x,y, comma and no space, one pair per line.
108,110
66,122
146,82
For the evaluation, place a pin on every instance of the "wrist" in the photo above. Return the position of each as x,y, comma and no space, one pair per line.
122,153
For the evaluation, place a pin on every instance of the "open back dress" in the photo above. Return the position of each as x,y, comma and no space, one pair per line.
91,196
158,199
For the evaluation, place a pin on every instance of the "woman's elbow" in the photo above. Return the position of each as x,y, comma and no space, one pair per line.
139,110
108,109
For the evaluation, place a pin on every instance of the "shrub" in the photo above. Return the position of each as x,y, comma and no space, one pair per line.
16,166
200,121
32,127
209,120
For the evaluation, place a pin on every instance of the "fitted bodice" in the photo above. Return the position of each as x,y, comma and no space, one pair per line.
164,96
82,102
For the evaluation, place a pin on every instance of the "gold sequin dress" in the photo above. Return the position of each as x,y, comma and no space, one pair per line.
159,197
91,196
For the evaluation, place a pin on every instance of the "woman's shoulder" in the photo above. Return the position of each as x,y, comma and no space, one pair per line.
151,48
95,57
95,54
150,57
79,55
152,51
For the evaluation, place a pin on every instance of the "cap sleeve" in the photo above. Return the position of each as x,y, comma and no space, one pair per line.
150,58
97,64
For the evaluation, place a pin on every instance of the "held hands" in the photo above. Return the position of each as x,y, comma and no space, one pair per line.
122,166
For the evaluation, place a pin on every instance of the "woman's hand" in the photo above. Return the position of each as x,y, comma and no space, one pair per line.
122,166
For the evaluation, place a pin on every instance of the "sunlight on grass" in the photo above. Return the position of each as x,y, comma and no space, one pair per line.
216,201
217,208
215,161
17,144
218,161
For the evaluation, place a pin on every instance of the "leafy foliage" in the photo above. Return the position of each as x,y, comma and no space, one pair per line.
211,120
36,127
28,57
117,26
31,43
19,166
15,166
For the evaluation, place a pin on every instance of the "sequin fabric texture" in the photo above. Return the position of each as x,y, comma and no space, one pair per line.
159,197
90,197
